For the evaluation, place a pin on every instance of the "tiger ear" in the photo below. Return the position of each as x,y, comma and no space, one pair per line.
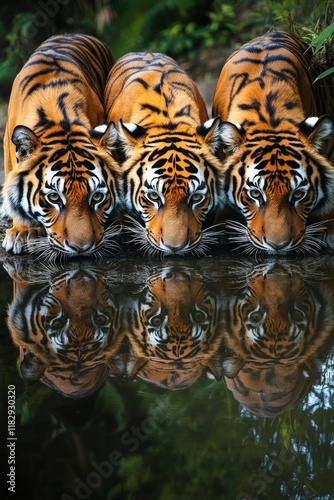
317,131
130,134
231,136
25,140
232,366
108,136
209,130
31,367
137,366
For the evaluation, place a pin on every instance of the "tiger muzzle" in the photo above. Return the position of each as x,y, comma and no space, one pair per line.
174,229
78,233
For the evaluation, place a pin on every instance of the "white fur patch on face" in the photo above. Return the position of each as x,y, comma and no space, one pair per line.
254,177
57,182
153,180
297,180
259,180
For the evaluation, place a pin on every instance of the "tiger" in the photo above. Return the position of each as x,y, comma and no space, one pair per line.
171,175
173,329
277,148
278,329
66,324
61,182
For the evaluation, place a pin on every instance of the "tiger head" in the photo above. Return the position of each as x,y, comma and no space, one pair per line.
278,331
172,181
65,182
65,330
173,330
276,180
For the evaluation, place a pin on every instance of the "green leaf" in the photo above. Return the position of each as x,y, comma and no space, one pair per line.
318,42
324,74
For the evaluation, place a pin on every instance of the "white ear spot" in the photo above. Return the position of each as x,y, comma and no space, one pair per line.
208,123
130,126
101,128
311,121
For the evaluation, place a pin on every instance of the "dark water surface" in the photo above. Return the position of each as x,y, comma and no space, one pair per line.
181,379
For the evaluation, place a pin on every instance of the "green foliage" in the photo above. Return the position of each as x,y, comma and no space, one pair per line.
187,35
292,14
18,48
124,32
180,29
321,39
312,21
323,47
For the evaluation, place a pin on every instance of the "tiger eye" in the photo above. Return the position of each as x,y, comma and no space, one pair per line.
196,197
199,316
157,321
298,194
58,323
101,320
255,193
97,197
153,196
53,197
296,315
255,316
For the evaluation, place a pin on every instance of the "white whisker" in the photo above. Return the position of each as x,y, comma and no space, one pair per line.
312,244
137,231
42,249
314,239
212,229
237,233
138,237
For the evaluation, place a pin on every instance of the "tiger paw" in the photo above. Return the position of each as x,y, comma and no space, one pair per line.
16,270
17,239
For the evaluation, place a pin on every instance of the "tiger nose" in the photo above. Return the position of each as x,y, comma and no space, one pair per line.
80,248
173,248
277,245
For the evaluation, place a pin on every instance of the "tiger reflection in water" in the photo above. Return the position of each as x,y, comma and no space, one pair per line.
174,329
265,328
278,331
66,327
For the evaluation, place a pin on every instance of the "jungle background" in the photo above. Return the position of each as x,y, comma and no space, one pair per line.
199,34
